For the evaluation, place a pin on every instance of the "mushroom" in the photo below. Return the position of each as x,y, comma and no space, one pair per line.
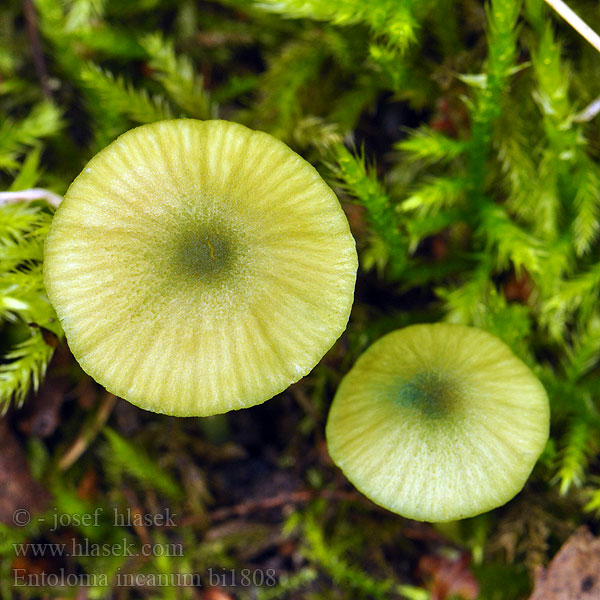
438,422
199,267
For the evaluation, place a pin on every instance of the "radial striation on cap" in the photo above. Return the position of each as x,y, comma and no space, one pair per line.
199,267
438,422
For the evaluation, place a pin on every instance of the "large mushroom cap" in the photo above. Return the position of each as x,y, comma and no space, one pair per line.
199,267
438,422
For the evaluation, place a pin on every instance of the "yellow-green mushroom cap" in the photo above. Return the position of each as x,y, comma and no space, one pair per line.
438,422
199,267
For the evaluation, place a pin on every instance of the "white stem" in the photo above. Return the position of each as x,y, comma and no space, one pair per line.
576,22
588,113
28,195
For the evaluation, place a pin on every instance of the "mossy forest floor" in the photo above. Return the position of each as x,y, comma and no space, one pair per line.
462,140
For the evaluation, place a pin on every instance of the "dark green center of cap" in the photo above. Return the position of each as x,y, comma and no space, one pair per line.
205,253
434,394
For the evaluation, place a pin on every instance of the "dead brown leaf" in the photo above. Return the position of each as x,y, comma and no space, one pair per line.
449,578
41,415
215,593
18,489
573,573
519,288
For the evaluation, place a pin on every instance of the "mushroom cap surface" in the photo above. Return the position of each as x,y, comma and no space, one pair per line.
438,422
199,267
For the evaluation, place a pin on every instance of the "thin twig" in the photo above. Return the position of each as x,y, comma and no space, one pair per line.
81,444
28,195
575,22
137,517
36,47
279,500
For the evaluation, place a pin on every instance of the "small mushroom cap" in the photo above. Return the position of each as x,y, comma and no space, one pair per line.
199,267
438,422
